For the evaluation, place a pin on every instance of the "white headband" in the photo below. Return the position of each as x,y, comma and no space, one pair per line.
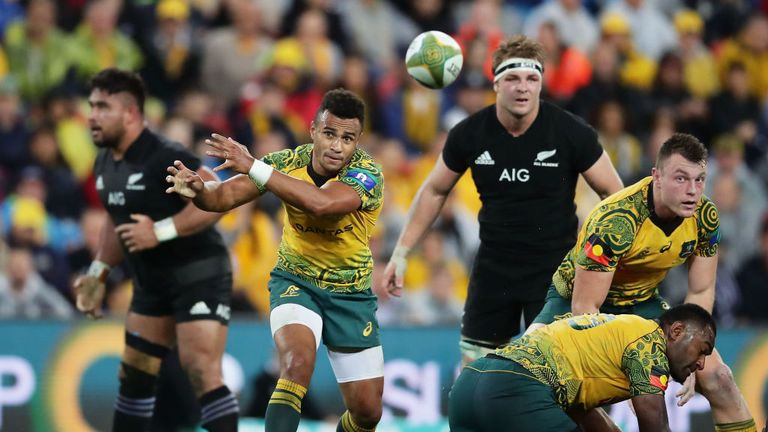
517,63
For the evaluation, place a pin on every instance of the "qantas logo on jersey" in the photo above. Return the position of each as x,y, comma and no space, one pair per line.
133,179
544,155
485,159
329,231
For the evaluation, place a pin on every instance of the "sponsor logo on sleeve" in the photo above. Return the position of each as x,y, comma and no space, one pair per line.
364,179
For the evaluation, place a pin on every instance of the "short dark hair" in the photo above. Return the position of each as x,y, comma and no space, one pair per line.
343,104
113,80
686,145
689,313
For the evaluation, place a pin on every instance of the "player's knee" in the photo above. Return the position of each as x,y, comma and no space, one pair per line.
298,365
366,412
716,381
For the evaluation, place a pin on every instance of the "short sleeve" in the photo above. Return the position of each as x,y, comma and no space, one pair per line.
280,161
610,233
708,229
645,364
587,148
454,151
366,179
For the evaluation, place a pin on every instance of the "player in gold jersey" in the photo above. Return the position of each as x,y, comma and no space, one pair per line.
320,288
554,378
627,245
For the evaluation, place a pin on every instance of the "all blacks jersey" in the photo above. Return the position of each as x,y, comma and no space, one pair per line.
136,184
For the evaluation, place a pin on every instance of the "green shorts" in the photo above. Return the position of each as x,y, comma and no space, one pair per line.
496,394
349,319
557,307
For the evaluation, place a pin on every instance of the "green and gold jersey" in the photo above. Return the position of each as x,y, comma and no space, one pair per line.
621,235
330,252
595,359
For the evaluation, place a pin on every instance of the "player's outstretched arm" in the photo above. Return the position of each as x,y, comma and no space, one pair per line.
211,195
333,198
426,206
590,288
602,177
651,412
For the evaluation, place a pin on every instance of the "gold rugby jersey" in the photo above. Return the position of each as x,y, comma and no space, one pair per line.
623,236
330,252
595,359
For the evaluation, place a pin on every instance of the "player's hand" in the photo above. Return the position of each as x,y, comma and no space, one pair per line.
139,235
236,156
185,182
687,391
89,292
395,271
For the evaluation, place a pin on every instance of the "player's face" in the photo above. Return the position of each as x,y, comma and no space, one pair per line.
679,184
688,350
517,92
106,118
335,141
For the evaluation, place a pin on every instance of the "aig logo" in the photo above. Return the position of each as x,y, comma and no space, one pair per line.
116,199
515,175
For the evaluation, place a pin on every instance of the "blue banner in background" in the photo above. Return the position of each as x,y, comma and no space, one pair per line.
62,376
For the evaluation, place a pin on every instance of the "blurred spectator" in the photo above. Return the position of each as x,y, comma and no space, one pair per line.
635,69
234,54
749,47
735,109
10,11
724,18
25,295
14,133
335,23
261,116
432,252
740,197
64,198
752,278
63,110
435,303
172,52
652,32
480,34
3,63
429,14
575,24
412,114
97,43
356,77
377,29
323,56
473,93
625,149
38,53
669,90
700,70
566,69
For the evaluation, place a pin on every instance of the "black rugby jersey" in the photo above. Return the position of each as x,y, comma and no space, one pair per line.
136,184
527,183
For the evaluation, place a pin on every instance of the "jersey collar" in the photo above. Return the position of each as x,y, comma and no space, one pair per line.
668,226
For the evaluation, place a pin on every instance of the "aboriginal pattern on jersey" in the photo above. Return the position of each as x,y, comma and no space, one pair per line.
595,359
330,252
620,236
645,363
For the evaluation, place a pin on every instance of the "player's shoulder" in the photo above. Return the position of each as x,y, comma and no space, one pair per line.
706,211
290,159
565,120
363,169
628,203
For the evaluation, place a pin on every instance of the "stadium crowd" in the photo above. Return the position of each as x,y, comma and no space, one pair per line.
636,70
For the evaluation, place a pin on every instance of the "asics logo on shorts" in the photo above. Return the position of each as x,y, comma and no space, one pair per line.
368,329
291,291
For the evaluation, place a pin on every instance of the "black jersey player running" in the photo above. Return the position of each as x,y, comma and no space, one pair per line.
181,271
525,156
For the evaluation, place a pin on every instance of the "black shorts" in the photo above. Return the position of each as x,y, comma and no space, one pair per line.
201,290
502,289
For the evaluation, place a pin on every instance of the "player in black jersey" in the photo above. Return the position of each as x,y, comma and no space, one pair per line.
182,276
525,156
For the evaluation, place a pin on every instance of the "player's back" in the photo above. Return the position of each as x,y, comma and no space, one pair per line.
587,359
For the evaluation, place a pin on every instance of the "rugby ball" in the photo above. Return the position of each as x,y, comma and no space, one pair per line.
434,59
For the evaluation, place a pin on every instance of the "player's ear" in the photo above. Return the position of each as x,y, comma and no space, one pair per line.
676,330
